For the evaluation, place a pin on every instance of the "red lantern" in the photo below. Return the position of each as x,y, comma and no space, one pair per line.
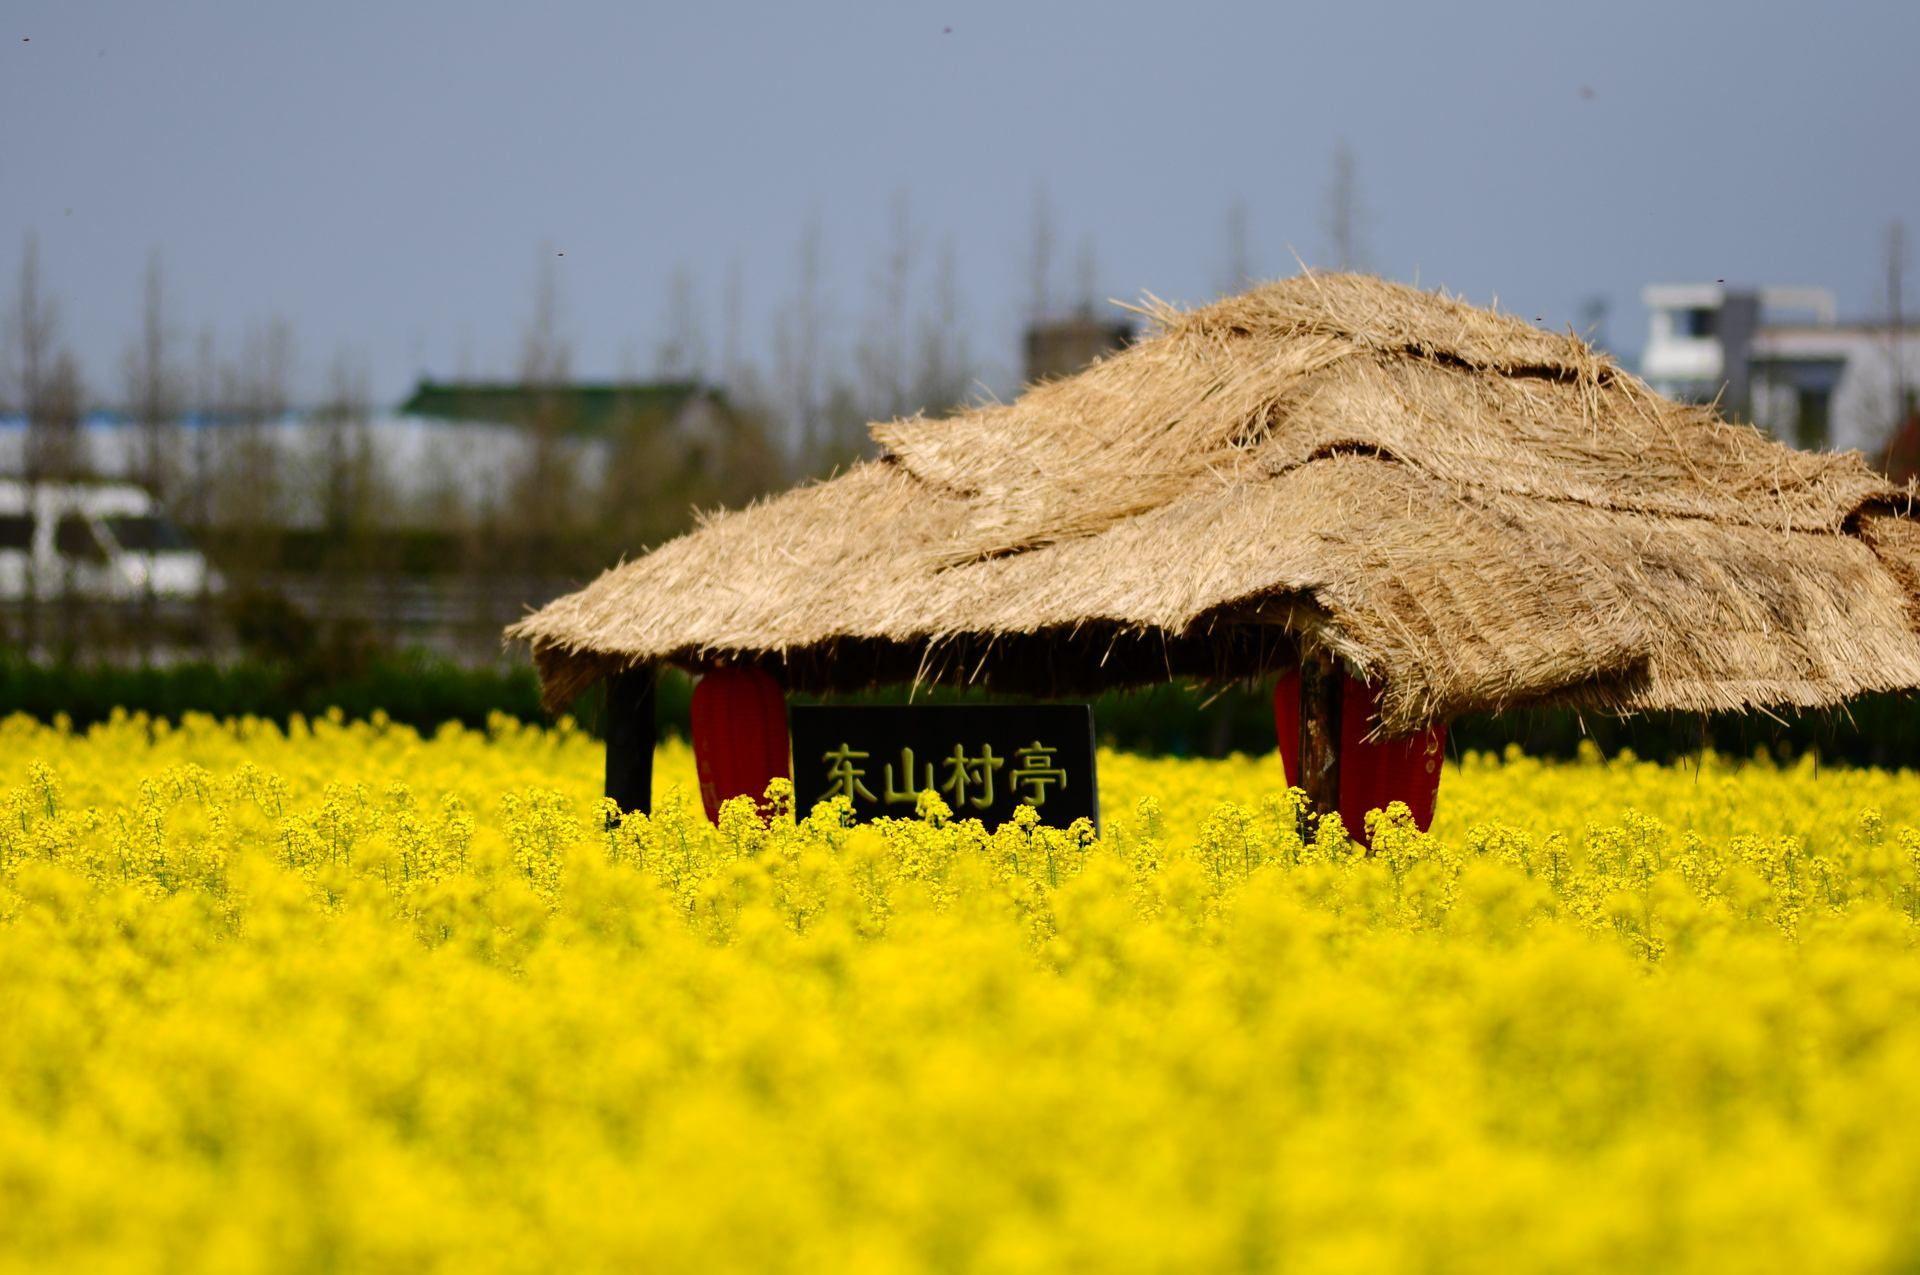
739,734
1372,773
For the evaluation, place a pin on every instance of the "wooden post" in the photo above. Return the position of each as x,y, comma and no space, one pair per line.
1320,687
629,733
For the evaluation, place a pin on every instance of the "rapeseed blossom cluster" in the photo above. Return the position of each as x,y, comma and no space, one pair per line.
339,997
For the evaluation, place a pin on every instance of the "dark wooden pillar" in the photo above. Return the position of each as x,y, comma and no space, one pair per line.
629,733
1320,691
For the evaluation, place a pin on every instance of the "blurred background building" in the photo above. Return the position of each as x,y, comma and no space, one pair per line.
1061,347
1781,358
207,515
231,526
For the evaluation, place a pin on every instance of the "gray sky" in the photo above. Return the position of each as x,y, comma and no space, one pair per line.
384,175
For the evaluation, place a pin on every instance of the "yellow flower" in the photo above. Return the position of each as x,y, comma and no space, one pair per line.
342,997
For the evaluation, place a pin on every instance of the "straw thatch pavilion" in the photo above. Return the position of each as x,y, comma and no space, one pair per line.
1462,510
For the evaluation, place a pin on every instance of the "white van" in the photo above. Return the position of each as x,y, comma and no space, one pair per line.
99,541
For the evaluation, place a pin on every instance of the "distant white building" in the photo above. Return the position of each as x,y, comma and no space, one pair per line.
424,463
450,446
1781,358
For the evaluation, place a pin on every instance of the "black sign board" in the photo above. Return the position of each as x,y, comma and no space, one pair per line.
984,760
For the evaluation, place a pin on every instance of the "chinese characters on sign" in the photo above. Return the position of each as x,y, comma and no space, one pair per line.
984,761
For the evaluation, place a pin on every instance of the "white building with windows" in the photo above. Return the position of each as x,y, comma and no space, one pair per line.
1781,358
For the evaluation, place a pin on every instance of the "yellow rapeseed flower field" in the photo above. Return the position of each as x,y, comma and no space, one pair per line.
342,998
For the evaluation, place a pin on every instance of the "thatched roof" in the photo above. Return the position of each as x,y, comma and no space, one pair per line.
1472,511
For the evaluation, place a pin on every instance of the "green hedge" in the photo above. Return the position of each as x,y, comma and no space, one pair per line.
423,691
417,690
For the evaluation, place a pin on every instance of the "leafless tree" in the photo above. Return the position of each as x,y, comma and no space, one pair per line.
348,499
799,340
733,355
200,476
1345,212
1896,272
463,357
43,382
882,353
56,447
843,423
1086,276
1886,401
60,405
945,364
544,501
32,329
1593,319
42,371
1236,267
250,508
682,355
153,396
545,355
1039,264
